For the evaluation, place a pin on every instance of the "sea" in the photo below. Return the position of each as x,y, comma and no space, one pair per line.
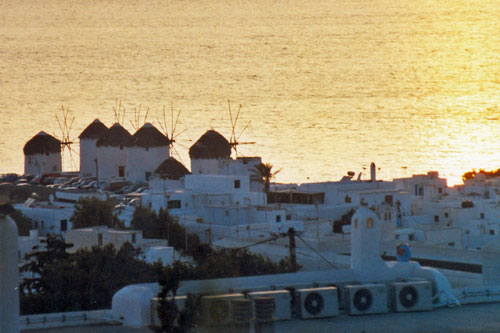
322,87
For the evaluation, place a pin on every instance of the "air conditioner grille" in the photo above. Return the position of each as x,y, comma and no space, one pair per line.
314,303
408,296
363,299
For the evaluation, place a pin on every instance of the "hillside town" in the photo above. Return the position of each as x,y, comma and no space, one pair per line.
230,201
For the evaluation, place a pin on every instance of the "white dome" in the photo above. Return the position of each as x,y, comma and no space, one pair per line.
131,304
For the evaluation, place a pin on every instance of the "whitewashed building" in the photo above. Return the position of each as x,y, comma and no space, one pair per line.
210,154
112,152
88,150
148,150
42,154
169,176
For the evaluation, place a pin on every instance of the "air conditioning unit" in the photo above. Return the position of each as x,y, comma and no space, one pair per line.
411,296
180,302
366,299
282,302
317,302
217,310
340,285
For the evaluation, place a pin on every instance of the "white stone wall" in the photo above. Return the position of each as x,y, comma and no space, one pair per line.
47,218
88,237
88,154
109,159
217,183
40,164
141,160
210,166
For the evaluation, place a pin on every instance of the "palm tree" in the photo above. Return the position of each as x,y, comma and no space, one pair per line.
264,174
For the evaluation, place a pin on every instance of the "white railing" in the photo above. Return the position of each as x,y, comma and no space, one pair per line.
63,319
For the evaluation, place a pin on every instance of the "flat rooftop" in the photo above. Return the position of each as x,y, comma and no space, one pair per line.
467,318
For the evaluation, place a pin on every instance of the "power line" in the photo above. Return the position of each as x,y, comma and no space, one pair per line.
239,248
310,247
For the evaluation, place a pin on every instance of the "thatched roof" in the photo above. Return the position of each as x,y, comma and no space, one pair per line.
116,136
148,136
172,169
42,143
94,131
210,145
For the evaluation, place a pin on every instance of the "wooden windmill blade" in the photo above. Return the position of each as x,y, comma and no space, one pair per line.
172,134
65,124
233,141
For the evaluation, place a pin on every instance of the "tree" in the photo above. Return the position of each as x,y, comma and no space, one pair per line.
147,221
263,173
91,212
84,280
487,174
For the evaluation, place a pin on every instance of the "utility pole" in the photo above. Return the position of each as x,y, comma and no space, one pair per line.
291,246
96,171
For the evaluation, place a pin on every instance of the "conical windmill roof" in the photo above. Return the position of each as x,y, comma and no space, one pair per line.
210,145
149,136
116,136
172,169
94,131
42,143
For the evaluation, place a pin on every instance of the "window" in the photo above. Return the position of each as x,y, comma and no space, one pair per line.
64,225
440,190
121,171
411,237
278,218
147,175
482,216
492,232
288,217
347,199
99,239
388,199
173,204
421,191
451,244
369,223
436,218
446,214
237,183
355,223
133,238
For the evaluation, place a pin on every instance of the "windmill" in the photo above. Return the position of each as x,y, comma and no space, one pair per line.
171,135
138,122
233,141
65,124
